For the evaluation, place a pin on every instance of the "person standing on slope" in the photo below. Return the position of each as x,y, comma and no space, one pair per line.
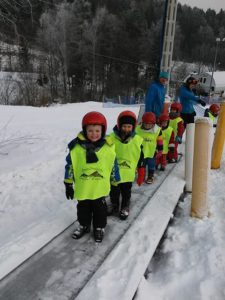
152,145
90,163
128,146
188,99
155,96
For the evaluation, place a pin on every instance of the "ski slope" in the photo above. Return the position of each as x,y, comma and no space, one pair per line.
33,208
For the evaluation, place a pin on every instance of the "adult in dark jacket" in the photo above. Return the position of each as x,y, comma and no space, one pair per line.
155,96
188,99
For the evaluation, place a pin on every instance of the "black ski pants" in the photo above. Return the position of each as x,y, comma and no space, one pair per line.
188,118
96,210
123,189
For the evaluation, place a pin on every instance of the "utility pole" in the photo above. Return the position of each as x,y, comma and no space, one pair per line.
168,35
218,40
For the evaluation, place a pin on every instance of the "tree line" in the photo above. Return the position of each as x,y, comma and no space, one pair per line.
96,49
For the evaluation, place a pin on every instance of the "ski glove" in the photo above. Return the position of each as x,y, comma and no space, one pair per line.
178,139
141,176
202,102
69,190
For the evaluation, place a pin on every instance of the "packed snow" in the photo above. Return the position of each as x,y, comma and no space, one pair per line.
33,147
190,263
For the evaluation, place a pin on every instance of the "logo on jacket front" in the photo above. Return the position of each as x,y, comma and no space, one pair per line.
147,139
124,164
91,174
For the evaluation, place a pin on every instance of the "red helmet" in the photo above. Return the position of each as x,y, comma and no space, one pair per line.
164,118
214,108
177,106
126,117
149,118
94,118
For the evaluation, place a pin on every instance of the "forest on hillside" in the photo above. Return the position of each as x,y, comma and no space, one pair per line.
91,49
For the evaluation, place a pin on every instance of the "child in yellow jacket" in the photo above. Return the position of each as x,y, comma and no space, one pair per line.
168,141
177,123
152,143
128,147
90,162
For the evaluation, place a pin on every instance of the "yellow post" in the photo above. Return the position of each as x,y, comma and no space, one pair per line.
201,167
218,144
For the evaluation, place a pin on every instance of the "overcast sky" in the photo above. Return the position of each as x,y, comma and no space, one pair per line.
205,4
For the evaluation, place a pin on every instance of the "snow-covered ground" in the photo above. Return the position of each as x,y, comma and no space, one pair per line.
33,147
190,263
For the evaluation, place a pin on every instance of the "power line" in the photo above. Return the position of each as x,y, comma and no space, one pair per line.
100,54
119,59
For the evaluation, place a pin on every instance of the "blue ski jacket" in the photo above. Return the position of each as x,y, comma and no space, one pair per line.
187,99
155,97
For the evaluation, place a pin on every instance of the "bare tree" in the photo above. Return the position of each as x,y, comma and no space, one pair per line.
7,92
91,34
56,25
179,71
9,11
28,89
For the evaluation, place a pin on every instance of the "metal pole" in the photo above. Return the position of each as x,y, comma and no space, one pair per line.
168,35
214,64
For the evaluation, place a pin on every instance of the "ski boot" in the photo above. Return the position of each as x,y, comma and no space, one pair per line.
150,179
172,160
124,213
98,234
80,231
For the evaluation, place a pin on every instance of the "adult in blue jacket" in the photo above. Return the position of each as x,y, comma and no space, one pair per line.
155,96
188,99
